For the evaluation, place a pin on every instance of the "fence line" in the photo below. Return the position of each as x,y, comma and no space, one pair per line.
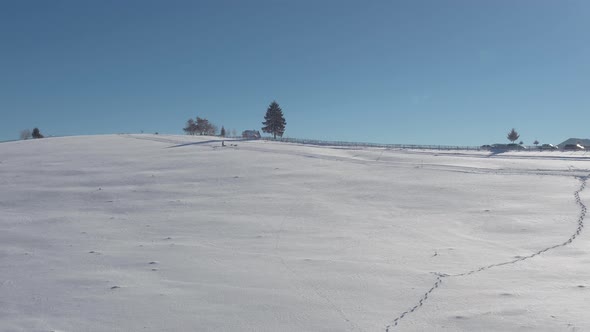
499,148
372,145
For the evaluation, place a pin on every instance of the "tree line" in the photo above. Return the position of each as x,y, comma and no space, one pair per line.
274,123
27,133
199,126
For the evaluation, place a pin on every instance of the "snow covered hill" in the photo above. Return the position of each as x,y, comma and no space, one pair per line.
177,233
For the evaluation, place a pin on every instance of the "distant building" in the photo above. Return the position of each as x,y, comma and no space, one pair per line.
252,134
582,141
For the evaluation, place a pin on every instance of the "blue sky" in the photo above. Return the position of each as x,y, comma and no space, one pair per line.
423,72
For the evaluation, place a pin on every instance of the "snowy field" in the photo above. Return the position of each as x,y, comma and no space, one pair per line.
176,233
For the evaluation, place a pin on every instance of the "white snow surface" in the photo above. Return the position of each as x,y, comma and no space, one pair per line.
177,233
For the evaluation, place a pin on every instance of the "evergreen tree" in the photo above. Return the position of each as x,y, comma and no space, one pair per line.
274,121
536,142
513,135
37,133
222,134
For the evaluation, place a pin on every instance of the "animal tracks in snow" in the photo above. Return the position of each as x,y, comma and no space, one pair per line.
440,276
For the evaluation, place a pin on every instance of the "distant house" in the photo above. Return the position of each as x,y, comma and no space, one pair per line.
251,134
582,141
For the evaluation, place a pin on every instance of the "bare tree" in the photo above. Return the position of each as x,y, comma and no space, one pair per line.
199,126
191,127
25,134
212,130
204,127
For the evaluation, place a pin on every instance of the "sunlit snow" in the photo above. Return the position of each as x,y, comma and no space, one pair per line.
177,233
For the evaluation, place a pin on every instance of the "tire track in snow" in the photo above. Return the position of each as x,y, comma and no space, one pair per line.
153,139
370,161
428,166
437,167
441,276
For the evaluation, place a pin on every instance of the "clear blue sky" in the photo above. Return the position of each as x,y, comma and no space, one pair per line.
440,72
